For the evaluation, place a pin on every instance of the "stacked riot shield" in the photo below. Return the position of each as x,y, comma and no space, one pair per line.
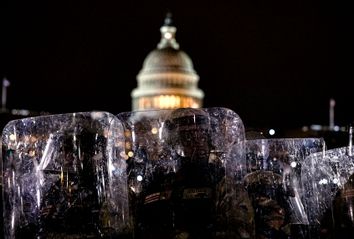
275,185
184,170
329,183
63,177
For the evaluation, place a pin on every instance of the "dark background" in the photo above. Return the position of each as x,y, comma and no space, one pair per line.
275,63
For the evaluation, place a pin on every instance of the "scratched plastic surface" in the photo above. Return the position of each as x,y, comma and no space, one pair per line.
185,173
329,185
275,186
64,177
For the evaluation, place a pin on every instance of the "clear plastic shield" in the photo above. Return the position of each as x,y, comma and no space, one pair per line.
275,187
329,183
63,177
184,166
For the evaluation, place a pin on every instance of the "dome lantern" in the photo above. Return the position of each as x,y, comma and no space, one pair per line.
168,34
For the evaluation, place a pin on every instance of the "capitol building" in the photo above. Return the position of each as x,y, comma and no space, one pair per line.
167,79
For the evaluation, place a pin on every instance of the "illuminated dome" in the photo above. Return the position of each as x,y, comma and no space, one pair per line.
167,59
168,79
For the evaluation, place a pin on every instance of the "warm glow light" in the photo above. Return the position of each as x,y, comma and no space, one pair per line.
130,154
12,137
167,102
154,130
168,35
195,105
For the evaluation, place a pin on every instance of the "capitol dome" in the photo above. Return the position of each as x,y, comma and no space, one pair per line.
167,59
167,79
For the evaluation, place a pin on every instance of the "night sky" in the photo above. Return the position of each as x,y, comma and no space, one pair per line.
275,63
